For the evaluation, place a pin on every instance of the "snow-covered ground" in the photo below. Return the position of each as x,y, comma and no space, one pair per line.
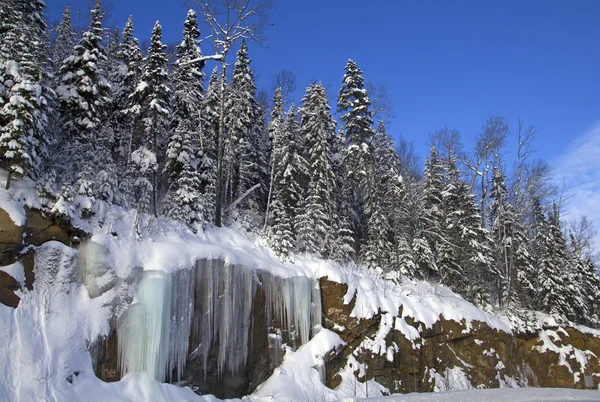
493,395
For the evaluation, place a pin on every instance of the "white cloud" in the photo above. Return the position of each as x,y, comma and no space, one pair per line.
578,167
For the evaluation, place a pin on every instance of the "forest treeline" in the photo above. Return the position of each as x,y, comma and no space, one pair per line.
96,122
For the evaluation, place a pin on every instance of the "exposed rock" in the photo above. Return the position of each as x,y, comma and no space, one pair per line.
488,358
8,285
10,239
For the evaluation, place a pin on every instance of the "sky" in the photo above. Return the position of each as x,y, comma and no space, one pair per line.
446,64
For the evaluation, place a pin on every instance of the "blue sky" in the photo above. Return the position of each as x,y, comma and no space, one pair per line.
446,63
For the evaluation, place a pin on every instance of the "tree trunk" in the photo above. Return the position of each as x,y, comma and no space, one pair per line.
219,183
8,180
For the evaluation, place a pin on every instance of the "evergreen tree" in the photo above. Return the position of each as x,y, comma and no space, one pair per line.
354,107
207,148
188,88
124,82
65,41
342,237
84,92
288,192
274,130
317,127
151,111
383,189
511,254
186,198
24,91
243,160
432,217
553,294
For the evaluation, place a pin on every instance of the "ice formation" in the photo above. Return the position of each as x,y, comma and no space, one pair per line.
153,334
211,306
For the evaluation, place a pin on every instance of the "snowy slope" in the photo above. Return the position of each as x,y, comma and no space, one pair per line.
44,342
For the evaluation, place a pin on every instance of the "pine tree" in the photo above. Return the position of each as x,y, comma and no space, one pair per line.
243,160
383,188
274,130
288,192
124,83
317,127
553,294
512,257
464,255
186,199
188,88
150,110
24,91
84,92
207,148
354,106
341,238
65,41
432,218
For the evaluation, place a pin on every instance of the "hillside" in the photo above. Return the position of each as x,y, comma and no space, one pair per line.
109,313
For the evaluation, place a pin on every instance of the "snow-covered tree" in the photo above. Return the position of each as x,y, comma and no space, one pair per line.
288,192
123,82
432,216
151,108
188,89
243,160
357,127
24,90
84,93
553,293
315,223
65,41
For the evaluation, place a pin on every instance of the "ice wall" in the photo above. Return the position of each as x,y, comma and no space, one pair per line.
211,306
153,333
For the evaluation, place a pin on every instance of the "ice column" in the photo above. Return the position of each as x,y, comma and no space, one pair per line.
153,333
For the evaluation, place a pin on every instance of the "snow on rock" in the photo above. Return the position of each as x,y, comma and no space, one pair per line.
16,271
493,395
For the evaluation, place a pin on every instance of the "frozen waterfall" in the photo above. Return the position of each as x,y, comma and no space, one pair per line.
208,309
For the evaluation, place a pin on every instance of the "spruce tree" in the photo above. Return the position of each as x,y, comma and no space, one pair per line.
243,159
354,107
151,108
317,128
275,131
124,83
553,294
84,92
188,88
24,90
432,215
65,41
288,193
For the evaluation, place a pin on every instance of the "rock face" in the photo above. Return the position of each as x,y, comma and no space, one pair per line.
39,228
450,352
447,355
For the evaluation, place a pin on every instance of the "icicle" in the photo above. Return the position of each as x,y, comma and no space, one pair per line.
143,331
295,303
224,296
153,333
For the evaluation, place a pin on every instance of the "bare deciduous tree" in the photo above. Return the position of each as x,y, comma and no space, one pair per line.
382,106
489,143
286,80
447,142
230,21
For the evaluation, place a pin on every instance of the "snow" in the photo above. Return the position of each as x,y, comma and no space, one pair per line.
16,271
146,284
493,395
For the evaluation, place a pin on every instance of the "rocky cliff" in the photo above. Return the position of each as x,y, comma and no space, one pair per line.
399,351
